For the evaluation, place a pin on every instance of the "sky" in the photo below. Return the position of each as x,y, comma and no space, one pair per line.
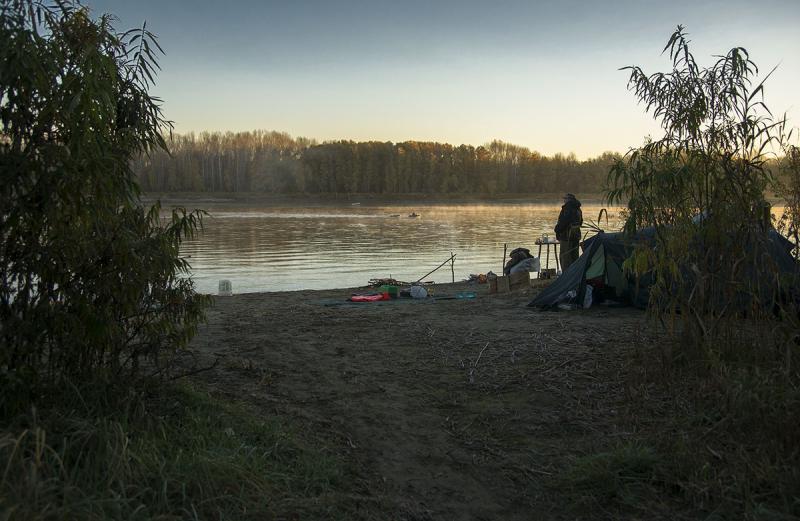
538,73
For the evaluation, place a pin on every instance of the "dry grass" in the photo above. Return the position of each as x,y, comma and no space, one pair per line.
726,426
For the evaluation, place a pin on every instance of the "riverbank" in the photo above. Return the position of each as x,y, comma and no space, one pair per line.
483,408
300,405
449,409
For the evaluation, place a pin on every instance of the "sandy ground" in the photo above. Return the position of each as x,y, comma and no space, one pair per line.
450,409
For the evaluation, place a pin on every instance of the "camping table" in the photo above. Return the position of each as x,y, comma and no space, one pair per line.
554,244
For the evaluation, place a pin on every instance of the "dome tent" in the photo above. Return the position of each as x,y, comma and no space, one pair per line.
602,258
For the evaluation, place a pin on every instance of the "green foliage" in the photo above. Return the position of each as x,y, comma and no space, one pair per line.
621,475
92,282
702,187
187,457
728,298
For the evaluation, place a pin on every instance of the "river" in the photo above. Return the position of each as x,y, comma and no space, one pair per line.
293,248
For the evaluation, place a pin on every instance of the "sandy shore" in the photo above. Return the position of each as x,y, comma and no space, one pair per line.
450,409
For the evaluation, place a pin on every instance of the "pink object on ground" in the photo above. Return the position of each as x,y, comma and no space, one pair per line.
370,298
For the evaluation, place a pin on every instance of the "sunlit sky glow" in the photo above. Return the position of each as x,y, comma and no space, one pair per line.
542,74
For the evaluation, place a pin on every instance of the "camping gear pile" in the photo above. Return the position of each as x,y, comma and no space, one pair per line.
477,278
391,292
520,259
375,283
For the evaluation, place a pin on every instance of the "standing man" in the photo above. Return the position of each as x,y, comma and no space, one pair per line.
568,230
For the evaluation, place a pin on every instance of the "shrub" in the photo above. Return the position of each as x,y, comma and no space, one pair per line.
728,296
92,281
702,186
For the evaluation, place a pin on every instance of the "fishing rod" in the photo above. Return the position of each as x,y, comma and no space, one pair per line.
453,256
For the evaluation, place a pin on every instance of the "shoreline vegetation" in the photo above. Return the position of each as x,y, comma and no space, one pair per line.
274,162
277,165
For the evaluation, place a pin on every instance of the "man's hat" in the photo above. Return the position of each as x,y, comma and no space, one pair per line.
569,196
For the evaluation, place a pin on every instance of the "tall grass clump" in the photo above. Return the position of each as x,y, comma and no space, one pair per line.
725,290
186,457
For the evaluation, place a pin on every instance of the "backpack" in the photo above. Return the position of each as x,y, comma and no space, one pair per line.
516,256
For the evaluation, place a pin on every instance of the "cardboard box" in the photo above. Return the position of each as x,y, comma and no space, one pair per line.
547,273
513,282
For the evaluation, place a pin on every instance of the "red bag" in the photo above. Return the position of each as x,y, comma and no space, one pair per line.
370,298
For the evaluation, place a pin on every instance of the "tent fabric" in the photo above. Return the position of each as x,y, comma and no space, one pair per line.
597,266
602,259
571,279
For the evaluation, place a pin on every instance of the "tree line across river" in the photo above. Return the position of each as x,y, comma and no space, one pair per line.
274,162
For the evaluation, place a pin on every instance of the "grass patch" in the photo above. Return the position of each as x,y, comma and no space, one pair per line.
183,455
710,438
722,436
618,478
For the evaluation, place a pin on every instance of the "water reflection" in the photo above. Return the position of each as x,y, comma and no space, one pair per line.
277,249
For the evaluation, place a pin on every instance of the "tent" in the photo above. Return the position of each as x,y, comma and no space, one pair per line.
602,258
600,267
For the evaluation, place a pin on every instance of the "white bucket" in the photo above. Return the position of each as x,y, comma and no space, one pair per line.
418,292
225,288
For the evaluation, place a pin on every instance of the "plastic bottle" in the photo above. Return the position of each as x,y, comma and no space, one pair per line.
587,297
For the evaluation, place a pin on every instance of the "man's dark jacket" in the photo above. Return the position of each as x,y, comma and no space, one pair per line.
571,215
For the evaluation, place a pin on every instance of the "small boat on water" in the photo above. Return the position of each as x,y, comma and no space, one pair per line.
412,215
395,215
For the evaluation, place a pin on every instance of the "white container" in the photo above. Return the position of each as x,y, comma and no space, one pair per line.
225,288
587,297
418,292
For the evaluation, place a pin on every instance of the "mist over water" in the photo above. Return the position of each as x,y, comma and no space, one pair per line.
294,248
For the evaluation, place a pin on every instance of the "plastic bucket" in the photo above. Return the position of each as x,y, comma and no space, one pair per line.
391,290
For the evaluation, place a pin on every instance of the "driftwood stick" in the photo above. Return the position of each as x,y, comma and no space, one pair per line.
481,354
475,364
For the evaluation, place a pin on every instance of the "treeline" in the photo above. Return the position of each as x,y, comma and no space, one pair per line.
274,162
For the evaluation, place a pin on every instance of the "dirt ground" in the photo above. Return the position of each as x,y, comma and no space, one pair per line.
449,408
